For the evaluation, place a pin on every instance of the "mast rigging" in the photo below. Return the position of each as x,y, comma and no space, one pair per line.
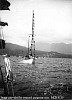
33,41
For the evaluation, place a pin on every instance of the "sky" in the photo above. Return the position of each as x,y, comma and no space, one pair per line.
53,21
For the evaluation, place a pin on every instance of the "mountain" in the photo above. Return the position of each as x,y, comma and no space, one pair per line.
14,49
55,47
17,50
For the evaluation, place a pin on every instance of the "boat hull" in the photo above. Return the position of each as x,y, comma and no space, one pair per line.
27,61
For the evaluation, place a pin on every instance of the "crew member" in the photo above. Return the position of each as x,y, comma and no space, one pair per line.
7,66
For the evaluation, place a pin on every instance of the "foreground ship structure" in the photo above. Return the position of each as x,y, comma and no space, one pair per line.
7,84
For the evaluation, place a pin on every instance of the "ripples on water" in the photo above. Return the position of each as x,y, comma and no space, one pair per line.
35,79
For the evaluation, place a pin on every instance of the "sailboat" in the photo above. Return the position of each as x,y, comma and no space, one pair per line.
30,57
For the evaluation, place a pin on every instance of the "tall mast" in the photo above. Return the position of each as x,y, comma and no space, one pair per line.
32,41
28,45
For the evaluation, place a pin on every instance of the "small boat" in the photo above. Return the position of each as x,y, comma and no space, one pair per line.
27,61
30,57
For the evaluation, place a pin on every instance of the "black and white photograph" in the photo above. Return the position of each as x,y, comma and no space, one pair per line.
36,49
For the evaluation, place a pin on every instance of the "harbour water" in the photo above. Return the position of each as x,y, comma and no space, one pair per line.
48,77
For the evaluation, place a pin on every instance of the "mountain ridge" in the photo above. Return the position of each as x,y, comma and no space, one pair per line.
17,50
56,47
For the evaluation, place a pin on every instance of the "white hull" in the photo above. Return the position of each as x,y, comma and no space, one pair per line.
26,61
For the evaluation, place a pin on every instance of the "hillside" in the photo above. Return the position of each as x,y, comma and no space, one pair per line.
17,50
14,49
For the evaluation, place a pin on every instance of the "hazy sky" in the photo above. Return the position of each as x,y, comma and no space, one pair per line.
53,21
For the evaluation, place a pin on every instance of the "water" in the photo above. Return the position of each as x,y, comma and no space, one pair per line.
34,80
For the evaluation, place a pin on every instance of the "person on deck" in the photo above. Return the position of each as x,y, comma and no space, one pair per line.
7,66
